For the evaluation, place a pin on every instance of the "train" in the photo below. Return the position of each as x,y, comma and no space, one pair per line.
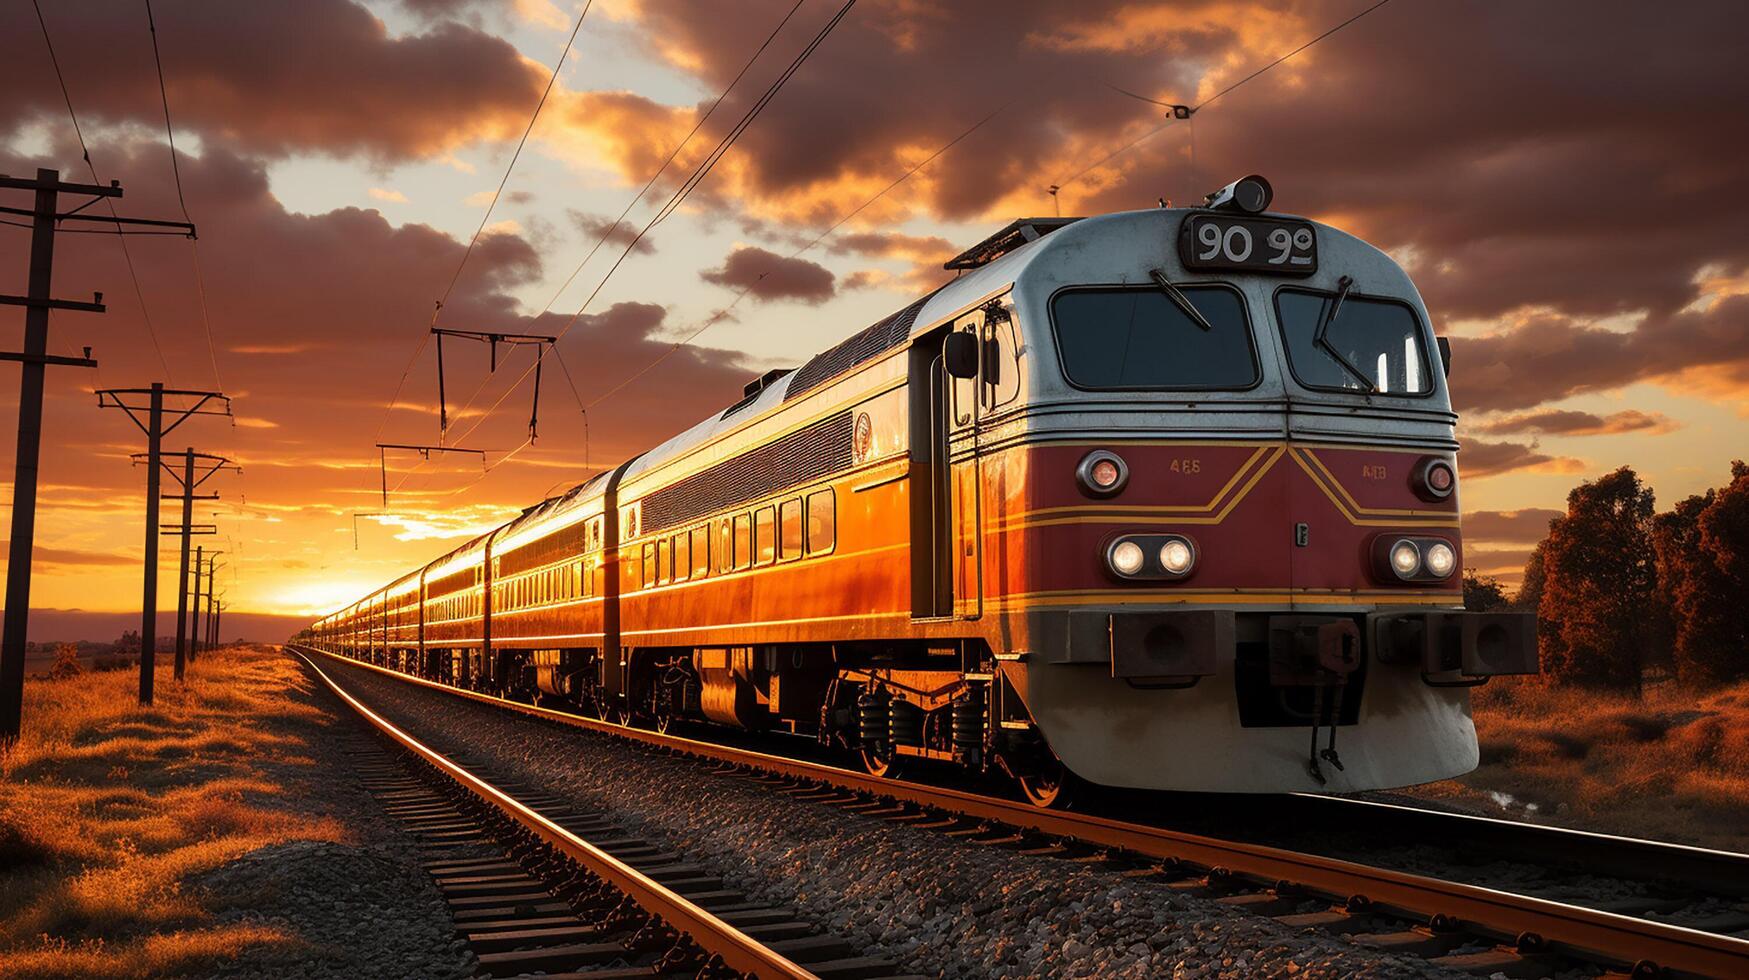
1163,499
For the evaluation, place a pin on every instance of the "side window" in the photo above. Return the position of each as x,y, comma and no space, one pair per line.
682,557
1000,360
790,514
822,522
664,561
649,565
743,540
701,551
725,545
578,578
764,536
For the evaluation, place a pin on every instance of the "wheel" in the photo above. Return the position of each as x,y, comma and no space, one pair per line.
1049,786
878,763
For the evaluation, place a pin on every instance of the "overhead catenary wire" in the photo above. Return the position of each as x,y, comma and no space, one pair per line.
85,153
608,231
181,200
700,172
724,312
468,252
1193,110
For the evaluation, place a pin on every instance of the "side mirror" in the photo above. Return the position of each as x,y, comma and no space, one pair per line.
959,355
1444,354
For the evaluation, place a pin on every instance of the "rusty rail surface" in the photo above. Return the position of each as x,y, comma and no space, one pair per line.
739,951
1644,947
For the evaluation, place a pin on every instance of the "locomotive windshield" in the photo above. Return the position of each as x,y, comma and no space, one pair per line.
1138,338
1369,345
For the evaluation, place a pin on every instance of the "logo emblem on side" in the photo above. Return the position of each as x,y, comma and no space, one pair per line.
862,439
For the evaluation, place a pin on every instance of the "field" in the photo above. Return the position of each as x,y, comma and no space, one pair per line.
1672,766
107,810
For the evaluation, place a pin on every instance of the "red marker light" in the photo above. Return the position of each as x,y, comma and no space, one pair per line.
1105,474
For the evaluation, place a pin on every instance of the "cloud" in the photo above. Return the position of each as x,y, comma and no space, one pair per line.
1527,525
1479,459
769,276
383,194
594,226
1549,357
1506,564
71,557
1567,422
273,77
866,279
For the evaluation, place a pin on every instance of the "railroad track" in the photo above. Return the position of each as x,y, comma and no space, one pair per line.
1453,924
536,887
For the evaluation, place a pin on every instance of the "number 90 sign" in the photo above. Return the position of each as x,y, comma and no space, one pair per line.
1273,245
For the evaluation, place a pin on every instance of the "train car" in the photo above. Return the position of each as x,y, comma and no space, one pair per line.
1163,499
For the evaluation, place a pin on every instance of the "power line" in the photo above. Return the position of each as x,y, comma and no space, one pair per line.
513,158
493,204
724,312
696,126
693,180
1290,54
85,152
1186,112
176,172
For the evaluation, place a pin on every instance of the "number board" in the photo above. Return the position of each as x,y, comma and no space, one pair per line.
1282,246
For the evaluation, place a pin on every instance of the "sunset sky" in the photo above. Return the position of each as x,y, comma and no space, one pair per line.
1566,185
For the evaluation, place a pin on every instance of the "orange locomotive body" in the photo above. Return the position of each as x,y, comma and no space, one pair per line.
1164,499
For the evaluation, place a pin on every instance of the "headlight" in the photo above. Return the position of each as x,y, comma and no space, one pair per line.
1126,558
1176,556
1440,559
1405,559
1102,473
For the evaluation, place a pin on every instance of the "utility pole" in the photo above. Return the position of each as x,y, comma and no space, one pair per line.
201,617
34,360
194,614
153,425
216,611
190,481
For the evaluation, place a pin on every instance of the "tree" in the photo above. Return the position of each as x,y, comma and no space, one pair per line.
129,642
1530,588
1703,562
1483,593
1599,581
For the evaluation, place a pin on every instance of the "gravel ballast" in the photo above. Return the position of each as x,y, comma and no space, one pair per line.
938,906
363,907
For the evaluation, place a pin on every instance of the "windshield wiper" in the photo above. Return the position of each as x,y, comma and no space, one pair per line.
1320,340
1180,300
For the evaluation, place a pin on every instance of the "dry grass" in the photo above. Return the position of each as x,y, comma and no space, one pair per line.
1673,766
106,808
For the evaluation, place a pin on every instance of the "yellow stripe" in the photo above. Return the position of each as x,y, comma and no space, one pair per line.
1355,504
1412,518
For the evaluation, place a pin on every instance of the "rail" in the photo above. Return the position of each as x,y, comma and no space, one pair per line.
739,951
1644,947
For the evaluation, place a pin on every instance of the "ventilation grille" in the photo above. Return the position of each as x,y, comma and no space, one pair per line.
819,450
450,584
864,346
567,542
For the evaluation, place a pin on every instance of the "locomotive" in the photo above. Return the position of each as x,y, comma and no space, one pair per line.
1164,499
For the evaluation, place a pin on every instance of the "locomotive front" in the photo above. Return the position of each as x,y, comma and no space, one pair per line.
1223,531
